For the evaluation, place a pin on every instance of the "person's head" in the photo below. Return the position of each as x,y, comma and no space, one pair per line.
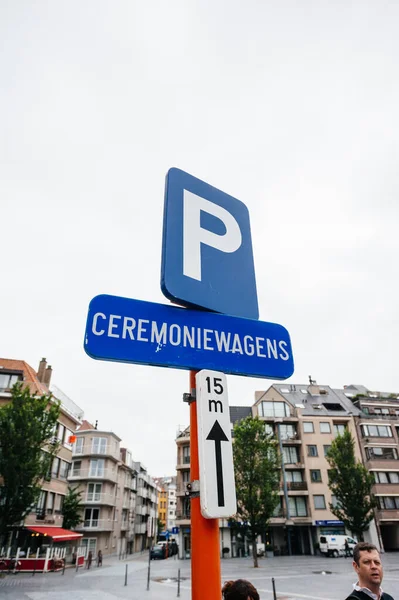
367,564
239,590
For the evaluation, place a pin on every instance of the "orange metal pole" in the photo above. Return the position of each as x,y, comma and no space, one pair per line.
205,545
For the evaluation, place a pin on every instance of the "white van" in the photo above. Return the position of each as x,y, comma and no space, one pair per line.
334,545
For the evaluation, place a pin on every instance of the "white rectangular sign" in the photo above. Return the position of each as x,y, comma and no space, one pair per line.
217,485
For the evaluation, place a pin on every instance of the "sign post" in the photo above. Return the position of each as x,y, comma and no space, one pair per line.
207,263
205,553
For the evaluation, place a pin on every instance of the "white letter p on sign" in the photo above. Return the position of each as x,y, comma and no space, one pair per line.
194,235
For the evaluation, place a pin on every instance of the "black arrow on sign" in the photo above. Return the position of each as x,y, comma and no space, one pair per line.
218,435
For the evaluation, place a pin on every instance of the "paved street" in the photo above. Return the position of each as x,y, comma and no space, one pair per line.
296,578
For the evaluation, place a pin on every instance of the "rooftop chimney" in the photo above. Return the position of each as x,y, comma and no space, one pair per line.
41,370
47,376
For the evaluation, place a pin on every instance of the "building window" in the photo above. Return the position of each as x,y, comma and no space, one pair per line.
376,453
388,502
99,445
278,511
64,469
7,381
186,455
308,427
269,429
41,504
59,503
290,455
287,431
91,517
319,502
89,545
315,475
339,429
76,465
334,501
94,492
333,406
297,506
55,468
386,477
78,449
294,476
325,427
50,503
68,434
61,432
186,477
326,449
97,468
312,450
274,409
376,431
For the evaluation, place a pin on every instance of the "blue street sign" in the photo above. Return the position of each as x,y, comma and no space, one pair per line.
134,331
207,258
175,530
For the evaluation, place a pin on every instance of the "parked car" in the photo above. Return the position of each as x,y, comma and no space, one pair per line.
157,551
334,545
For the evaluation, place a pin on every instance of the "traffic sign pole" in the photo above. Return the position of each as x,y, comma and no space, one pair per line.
205,546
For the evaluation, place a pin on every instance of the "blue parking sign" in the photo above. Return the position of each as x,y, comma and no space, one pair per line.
207,258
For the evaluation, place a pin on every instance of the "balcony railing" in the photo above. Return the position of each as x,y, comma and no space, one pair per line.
100,499
96,525
107,450
142,491
140,528
183,514
383,417
294,486
109,474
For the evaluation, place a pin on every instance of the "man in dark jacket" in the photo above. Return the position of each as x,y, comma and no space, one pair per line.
367,564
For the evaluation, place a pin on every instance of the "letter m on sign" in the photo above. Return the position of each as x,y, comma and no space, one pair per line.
207,258
216,404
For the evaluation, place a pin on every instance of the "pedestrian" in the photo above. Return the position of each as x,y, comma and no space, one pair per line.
99,559
367,564
347,549
241,589
89,559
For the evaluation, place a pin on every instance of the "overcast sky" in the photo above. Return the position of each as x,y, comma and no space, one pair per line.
292,107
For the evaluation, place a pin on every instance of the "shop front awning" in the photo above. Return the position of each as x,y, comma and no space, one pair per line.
56,533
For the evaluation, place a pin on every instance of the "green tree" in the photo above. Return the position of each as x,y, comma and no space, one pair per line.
161,526
351,484
27,449
257,477
72,508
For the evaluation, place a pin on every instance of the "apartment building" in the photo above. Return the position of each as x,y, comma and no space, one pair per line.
146,509
378,432
162,496
183,507
127,480
167,502
105,476
305,419
48,511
